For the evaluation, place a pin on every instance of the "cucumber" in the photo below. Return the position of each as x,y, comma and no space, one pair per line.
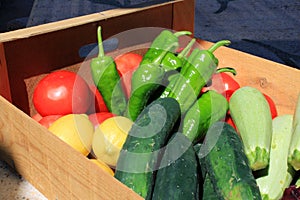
251,114
226,165
177,178
197,148
207,191
280,174
140,153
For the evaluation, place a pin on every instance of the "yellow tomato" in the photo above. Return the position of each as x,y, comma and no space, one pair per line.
109,138
103,166
76,130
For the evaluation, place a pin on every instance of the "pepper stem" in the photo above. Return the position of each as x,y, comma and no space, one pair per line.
162,55
180,33
227,69
185,51
219,44
100,43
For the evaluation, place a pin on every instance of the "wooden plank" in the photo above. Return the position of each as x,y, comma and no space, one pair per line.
184,20
78,21
53,167
4,81
280,82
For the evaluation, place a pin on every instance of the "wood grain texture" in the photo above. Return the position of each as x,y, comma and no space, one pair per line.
4,81
53,167
280,82
78,21
184,20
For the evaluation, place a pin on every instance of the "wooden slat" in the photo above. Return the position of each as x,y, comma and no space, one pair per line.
78,21
280,82
4,81
184,20
53,167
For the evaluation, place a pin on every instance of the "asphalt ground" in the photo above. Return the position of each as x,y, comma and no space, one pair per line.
266,28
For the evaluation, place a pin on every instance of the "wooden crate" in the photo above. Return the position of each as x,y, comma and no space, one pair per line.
54,168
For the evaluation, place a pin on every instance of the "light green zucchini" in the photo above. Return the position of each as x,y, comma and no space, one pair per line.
294,152
251,114
280,173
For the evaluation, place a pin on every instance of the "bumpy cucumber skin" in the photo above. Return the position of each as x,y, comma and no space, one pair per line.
139,156
251,114
226,164
177,178
207,191
208,109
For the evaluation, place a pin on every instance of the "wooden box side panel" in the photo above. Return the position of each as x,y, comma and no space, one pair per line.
4,81
280,82
53,167
184,20
42,53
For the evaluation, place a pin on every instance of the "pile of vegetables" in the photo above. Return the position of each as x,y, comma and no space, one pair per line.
190,131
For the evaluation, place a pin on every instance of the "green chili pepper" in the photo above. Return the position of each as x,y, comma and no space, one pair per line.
165,41
107,80
171,61
209,108
148,76
196,72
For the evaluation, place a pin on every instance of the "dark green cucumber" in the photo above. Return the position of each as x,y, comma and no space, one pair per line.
207,190
177,177
138,158
226,164
208,109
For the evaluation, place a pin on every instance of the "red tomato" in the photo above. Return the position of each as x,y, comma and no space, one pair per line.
97,104
223,83
272,106
126,64
98,118
48,120
60,93
229,120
